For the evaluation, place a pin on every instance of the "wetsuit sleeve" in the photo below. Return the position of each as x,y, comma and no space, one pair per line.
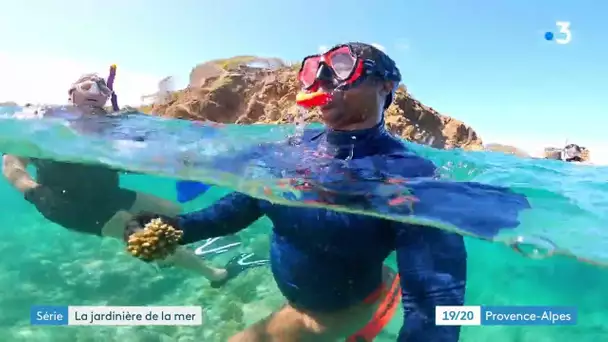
432,267
229,215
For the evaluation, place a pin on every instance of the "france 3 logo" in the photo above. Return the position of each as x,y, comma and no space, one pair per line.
563,35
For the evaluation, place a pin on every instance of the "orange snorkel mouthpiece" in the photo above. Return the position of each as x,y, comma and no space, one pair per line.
315,99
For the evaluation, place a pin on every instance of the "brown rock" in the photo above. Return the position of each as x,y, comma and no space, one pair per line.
248,90
552,153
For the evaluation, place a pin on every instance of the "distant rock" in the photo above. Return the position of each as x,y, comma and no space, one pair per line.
9,104
555,153
506,149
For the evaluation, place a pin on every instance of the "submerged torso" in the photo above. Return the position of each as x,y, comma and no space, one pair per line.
324,260
77,181
86,196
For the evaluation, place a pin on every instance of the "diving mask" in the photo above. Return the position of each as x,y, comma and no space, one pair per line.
339,67
91,85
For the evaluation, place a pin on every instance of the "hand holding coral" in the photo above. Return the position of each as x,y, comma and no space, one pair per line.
156,240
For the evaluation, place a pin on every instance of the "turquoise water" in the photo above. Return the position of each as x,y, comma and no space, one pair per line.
42,263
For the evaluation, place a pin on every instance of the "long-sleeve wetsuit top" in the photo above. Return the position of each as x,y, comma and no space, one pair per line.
325,260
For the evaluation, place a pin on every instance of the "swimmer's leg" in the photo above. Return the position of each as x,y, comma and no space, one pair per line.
292,324
186,259
182,257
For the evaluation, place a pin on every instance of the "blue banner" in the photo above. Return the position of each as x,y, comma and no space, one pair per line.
528,315
48,315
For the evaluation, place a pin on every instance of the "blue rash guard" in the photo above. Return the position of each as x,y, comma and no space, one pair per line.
323,260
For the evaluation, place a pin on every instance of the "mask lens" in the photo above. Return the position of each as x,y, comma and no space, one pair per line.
342,62
85,86
93,87
308,74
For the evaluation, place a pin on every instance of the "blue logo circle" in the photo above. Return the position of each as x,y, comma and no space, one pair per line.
549,36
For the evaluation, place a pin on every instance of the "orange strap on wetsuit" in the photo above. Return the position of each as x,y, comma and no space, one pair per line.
384,313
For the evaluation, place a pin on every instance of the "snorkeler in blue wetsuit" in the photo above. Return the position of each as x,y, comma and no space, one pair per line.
328,264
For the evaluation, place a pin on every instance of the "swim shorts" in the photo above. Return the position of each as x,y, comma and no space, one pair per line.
384,313
89,214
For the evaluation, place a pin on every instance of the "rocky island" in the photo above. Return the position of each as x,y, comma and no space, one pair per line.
250,90
255,90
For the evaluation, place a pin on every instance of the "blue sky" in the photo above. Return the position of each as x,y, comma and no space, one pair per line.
483,62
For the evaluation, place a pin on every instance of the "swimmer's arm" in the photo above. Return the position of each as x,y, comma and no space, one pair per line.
14,170
432,266
229,215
